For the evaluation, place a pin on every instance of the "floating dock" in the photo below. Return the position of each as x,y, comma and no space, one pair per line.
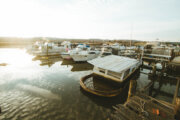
143,107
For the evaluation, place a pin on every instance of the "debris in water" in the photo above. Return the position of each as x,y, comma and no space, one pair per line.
3,64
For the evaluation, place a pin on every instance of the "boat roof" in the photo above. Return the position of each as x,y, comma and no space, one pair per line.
114,63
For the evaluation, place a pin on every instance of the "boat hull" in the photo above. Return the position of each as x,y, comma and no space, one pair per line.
111,93
66,56
79,58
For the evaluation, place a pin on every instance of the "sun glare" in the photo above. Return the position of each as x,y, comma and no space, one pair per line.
15,57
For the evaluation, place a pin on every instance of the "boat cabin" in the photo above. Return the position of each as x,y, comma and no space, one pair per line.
117,68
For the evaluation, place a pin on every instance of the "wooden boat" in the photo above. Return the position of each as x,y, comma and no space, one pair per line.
116,68
103,90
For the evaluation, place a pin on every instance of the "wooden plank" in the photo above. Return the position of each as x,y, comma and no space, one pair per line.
127,113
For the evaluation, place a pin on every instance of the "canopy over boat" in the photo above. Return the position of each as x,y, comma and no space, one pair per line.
114,63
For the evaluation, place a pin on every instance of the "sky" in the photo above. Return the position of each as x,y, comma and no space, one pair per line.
103,19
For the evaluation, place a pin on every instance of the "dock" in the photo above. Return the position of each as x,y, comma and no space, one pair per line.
143,107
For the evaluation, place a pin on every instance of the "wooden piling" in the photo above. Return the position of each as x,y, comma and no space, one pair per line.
154,69
176,92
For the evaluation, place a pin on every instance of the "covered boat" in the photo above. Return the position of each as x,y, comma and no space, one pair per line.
110,73
117,68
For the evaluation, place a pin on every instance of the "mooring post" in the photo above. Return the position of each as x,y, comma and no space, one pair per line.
163,68
176,92
154,69
132,84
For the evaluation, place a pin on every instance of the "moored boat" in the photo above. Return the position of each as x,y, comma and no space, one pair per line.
66,55
85,55
96,85
116,68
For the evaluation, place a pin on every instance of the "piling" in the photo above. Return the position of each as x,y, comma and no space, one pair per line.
154,69
176,92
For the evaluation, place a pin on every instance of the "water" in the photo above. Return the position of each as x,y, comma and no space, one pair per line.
33,88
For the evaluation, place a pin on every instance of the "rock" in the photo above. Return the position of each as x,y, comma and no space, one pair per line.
3,64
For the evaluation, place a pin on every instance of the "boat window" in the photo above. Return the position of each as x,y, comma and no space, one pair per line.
126,73
114,74
92,53
106,53
102,70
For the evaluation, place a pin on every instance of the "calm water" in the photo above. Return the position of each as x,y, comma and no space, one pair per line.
33,88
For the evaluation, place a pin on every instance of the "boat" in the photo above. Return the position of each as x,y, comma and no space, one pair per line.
66,55
50,48
116,68
85,55
113,70
98,86
35,47
105,53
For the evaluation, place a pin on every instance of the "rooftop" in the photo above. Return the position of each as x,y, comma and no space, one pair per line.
114,63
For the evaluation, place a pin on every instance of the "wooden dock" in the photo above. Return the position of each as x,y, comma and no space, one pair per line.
143,107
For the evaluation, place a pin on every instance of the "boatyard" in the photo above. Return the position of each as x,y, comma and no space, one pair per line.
105,81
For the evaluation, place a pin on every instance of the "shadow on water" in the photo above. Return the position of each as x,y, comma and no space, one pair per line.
163,86
77,66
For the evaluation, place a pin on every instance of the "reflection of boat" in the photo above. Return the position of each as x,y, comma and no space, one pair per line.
77,66
81,67
116,68
48,60
85,55
96,85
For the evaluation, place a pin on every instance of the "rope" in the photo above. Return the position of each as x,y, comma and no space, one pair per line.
143,112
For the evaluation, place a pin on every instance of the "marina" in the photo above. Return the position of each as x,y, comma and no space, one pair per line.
75,90
89,60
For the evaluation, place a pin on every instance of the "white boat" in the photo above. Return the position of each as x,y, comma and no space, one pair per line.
85,55
66,55
116,68
49,48
105,53
35,47
115,45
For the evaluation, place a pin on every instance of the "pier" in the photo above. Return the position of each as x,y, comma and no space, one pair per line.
143,107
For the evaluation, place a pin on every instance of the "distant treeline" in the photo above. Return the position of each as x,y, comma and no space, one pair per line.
26,41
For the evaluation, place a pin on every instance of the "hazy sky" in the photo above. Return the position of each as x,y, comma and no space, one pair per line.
109,19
